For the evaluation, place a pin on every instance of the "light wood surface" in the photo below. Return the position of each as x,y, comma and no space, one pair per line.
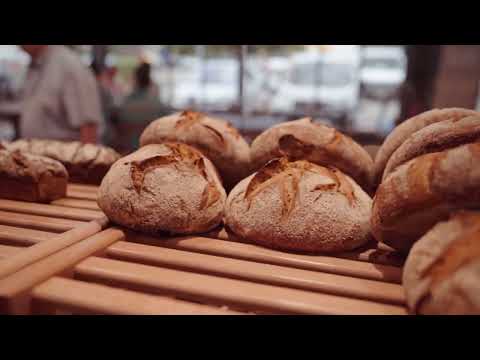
76,203
80,194
49,210
209,289
258,272
15,285
45,248
83,187
259,254
11,235
6,251
38,222
373,252
81,297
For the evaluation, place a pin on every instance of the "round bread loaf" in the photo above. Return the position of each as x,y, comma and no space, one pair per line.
402,132
167,187
442,273
318,143
424,191
215,138
434,138
299,206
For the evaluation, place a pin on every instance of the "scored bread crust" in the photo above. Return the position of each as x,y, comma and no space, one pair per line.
442,272
29,177
215,138
167,187
305,139
401,133
424,191
299,206
436,137
85,163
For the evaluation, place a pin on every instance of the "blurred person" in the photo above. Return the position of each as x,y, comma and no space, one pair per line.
138,110
60,99
144,86
107,101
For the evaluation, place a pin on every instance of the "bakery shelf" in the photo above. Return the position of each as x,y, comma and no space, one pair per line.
116,271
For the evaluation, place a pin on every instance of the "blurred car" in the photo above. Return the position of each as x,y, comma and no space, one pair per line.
383,70
321,81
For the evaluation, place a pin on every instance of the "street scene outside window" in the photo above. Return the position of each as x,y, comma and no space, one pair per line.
360,89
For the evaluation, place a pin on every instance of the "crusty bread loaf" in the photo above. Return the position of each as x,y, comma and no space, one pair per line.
402,132
215,138
442,272
321,144
28,177
85,163
299,206
167,187
423,191
436,137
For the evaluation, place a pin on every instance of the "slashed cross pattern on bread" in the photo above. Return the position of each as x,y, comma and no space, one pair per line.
288,175
184,158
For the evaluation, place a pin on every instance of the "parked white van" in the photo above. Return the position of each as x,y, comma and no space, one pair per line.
327,80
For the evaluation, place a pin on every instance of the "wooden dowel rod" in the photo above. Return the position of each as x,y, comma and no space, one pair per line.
45,248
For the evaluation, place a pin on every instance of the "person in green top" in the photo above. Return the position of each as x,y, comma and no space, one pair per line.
140,107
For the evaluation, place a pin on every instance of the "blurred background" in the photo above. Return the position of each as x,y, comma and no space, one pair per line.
363,90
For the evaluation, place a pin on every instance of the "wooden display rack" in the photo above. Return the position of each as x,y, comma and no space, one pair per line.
65,258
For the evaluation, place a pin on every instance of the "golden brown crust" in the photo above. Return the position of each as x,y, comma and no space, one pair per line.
442,272
299,206
215,138
85,163
402,132
28,177
315,142
168,187
424,191
436,137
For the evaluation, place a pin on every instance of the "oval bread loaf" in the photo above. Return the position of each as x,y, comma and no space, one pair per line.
29,177
402,132
85,163
159,188
315,142
442,272
215,138
299,206
423,191
434,138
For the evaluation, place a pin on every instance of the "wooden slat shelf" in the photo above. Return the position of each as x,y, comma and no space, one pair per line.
7,251
55,259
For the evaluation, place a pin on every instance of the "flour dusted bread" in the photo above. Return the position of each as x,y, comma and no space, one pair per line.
423,191
436,137
167,187
442,272
402,132
85,163
215,138
299,206
28,177
305,139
